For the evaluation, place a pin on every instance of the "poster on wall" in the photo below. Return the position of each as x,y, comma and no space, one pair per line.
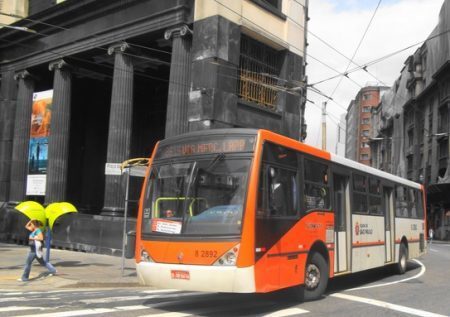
38,147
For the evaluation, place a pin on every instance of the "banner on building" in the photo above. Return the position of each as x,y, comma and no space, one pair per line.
38,148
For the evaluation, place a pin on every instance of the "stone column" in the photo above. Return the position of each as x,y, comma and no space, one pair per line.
120,126
58,143
8,94
180,79
21,139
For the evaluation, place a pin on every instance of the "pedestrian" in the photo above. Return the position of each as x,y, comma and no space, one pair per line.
430,235
36,241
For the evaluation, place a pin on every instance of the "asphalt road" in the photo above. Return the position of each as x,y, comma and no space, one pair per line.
423,291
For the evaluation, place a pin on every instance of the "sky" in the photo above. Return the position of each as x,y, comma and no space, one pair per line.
341,24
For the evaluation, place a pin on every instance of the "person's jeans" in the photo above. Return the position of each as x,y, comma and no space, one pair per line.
30,258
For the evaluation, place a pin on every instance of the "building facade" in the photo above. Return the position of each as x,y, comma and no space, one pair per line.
125,74
358,123
411,125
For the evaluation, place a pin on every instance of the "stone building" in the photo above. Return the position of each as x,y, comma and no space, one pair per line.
125,74
358,124
411,125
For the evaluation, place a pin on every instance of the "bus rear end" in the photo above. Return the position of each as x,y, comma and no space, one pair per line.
195,227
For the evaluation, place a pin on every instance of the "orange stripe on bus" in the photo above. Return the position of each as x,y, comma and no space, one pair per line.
293,144
367,244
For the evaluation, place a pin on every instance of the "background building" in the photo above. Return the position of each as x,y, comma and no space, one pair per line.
125,74
412,123
358,124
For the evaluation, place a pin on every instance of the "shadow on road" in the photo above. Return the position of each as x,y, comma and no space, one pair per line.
78,264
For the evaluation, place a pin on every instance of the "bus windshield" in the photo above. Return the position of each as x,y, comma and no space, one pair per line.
198,197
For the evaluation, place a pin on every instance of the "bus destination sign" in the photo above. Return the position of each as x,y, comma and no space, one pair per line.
206,146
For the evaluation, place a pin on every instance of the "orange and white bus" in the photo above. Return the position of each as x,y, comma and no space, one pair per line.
246,211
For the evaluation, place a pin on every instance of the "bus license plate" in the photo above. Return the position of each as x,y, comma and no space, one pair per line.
180,275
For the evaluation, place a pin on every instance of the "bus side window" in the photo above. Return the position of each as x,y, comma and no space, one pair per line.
282,192
401,203
419,205
317,194
360,194
412,203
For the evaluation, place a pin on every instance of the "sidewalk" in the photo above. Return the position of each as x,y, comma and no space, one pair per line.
75,269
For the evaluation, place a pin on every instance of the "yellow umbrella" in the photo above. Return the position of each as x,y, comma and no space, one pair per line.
56,210
32,210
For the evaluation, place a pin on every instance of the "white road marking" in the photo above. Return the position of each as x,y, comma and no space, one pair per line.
210,310
434,250
20,299
171,314
92,311
403,309
287,312
422,272
18,308
129,298
157,291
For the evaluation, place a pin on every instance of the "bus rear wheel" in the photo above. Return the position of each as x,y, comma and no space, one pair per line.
402,259
316,277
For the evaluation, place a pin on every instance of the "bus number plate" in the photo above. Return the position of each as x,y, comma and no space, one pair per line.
180,275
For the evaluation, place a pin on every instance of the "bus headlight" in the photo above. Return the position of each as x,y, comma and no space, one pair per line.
145,257
229,258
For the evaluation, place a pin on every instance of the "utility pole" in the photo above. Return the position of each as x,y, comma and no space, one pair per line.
324,126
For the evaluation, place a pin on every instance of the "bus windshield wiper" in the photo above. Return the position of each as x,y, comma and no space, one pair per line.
219,157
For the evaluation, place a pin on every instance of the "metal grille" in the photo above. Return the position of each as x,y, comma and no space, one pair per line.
259,66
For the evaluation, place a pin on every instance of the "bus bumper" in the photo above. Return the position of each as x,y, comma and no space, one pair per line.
228,279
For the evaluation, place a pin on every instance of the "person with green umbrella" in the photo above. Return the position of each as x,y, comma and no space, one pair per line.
36,240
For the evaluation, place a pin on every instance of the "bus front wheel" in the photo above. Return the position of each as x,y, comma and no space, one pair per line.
316,277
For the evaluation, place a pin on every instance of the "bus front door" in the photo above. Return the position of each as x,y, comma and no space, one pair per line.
388,202
341,221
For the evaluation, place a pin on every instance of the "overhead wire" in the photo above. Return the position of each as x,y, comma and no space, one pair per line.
357,48
332,47
162,51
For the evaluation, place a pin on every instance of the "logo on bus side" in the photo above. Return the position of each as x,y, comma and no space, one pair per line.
362,229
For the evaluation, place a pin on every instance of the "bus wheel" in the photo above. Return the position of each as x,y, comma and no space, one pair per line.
316,277
402,259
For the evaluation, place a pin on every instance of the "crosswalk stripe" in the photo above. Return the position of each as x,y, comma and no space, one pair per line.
20,299
287,312
92,311
157,291
18,308
171,314
136,297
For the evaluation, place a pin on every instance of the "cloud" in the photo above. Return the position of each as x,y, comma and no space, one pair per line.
397,24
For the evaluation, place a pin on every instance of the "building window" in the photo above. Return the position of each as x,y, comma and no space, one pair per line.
259,67
364,157
409,163
365,121
410,137
365,145
367,96
365,133
443,119
366,109
273,6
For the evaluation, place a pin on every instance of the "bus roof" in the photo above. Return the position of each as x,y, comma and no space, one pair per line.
340,160
275,137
